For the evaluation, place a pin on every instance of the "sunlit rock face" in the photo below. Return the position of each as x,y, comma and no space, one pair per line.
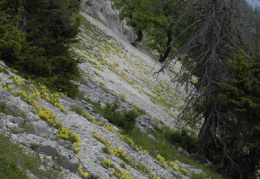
102,10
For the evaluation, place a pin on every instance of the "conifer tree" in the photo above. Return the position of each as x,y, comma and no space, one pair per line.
35,39
210,50
239,131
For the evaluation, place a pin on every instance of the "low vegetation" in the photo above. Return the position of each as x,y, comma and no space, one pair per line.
14,163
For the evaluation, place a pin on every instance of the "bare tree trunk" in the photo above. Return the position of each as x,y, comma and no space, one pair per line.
165,54
139,38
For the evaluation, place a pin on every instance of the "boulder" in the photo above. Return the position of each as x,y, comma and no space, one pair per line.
145,123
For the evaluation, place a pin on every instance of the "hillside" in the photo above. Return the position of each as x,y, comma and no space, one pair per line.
93,135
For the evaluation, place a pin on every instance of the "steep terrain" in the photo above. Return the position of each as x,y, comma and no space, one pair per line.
73,137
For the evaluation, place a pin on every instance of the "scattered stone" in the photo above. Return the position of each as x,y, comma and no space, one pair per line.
180,149
190,168
151,136
65,143
186,153
5,96
11,125
18,120
41,128
144,123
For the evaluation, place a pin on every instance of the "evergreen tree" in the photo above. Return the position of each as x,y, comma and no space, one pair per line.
12,39
210,57
35,39
240,96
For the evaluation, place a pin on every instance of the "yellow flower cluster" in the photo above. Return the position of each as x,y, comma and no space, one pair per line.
142,167
86,114
102,83
174,166
154,176
48,116
83,174
116,64
17,81
136,106
53,98
124,138
121,154
121,174
64,133
184,171
106,142
162,160
166,163
106,163
31,96
7,87
68,134
123,96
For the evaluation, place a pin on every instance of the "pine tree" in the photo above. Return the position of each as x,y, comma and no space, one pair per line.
35,39
12,39
240,96
210,57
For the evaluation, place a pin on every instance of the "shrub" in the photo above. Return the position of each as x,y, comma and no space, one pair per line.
123,119
77,110
184,139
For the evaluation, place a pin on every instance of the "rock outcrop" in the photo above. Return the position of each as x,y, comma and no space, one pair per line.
102,10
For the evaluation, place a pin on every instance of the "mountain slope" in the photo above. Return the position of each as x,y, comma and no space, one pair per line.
75,133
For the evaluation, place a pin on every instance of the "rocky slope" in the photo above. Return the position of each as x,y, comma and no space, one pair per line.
70,133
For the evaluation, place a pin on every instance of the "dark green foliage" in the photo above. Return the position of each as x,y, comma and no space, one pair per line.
157,19
226,93
35,39
10,170
240,131
185,140
122,119
106,150
137,13
77,110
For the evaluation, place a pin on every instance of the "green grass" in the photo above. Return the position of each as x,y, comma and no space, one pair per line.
198,176
14,163
163,146
77,110
13,110
122,119
165,139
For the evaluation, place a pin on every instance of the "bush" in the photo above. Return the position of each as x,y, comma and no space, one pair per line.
122,119
10,170
185,140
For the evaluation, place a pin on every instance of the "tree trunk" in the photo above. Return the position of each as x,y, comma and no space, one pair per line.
139,38
165,54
